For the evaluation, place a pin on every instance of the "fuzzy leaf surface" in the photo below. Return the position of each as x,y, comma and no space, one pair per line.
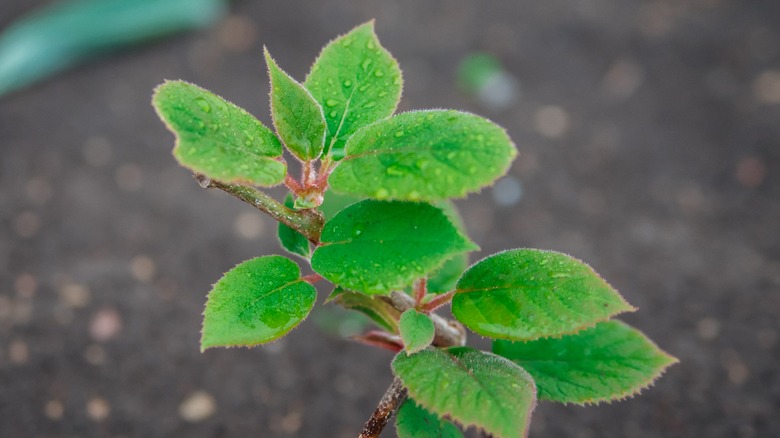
424,155
525,294
416,330
376,247
298,118
413,421
217,138
258,301
607,362
290,239
356,81
472,387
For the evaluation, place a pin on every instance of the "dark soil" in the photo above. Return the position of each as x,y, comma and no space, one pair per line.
650,147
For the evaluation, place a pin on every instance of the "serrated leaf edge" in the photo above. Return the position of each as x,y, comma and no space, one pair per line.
197,169
269,61
250,345
476,427
371,23
628,307
463,193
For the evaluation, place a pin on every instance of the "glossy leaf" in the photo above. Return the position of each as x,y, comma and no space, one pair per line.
472,387
526,294
376,247
356,81
381,312
218,139
298,118
290,239
258,301
413,421
607,362
424,155
416,330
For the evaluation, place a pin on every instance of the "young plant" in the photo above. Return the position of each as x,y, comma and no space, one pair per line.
395,250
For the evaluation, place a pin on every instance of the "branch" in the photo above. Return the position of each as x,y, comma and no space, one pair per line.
448,333
307,222
391,401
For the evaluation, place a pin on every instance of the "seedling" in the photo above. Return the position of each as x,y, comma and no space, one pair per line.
370,214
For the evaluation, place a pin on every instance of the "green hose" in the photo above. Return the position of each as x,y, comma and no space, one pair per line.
71,31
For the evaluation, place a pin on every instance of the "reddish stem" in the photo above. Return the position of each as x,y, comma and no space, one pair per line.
376,338
312,278
437,301
292,184
420,290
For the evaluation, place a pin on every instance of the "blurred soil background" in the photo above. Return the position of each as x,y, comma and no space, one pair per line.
649,134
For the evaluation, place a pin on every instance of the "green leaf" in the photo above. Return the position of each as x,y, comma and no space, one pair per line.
381,312
218,139
376,247
416,330
356,81
297,116
525,294
258,301
444,280
424,155
607,362
413,421
472,387
290,239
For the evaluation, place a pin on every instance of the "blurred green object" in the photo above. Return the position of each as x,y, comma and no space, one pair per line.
483,76
65,33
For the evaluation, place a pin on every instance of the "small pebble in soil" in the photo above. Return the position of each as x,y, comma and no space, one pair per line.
95,355
97,151
26,224
129,178
237,33
74,295
38,190
25,285
249,225
142,268
54,409
198,406
106,324
508,191
98,409
708,328
551,121
18,352
766,87
750,172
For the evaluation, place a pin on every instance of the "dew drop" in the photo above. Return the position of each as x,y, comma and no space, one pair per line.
365,64
382,193
203,104
379,73
395,170
363,87
331,102
347,83
333,114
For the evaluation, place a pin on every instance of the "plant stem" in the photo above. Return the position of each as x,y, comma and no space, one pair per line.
307,222
391,401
